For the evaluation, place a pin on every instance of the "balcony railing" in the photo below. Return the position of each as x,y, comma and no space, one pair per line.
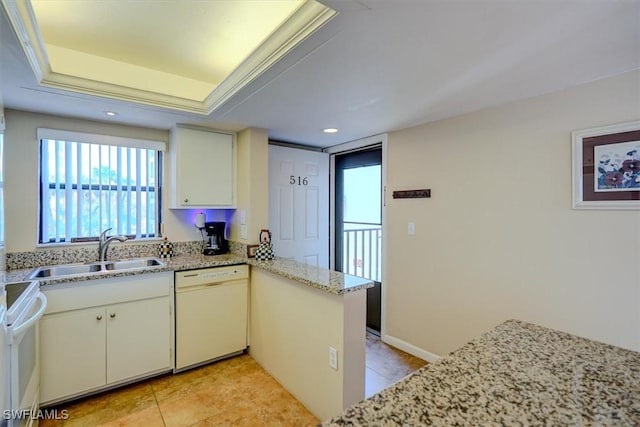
362,250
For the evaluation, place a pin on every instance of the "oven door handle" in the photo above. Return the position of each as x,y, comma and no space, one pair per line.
24,326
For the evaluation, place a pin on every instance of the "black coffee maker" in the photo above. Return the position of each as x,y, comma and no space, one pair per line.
216,243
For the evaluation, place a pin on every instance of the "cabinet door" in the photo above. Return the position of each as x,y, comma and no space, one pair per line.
72,353
204,168
138,338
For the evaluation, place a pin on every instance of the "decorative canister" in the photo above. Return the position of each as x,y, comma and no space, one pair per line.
265,250
165,249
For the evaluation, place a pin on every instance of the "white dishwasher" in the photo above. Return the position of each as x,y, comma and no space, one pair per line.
211,314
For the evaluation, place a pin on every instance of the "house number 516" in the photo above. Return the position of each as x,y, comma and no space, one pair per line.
293,180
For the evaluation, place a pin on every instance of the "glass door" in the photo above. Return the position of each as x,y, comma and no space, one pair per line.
358,217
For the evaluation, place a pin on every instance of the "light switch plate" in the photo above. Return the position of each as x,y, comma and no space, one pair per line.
333,358
243,216
411,228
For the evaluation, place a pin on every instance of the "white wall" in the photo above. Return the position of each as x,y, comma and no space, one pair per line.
499,238
292,326
21,176
252,184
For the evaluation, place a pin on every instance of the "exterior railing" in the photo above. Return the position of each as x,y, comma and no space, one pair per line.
362,250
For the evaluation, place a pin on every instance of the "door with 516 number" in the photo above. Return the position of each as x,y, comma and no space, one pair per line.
299,204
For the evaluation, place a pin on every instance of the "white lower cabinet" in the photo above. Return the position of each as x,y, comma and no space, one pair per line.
125,334
73,353
137,338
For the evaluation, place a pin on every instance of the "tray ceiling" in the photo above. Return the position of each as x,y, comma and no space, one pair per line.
160,53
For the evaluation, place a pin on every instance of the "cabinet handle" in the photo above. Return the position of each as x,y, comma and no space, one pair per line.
99,317
112,315
186,200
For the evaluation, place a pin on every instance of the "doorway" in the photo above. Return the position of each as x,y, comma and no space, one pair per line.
358,223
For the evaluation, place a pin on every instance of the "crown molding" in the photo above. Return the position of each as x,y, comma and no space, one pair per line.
23,21
307,19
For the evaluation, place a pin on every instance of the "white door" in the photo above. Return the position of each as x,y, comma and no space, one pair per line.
299,204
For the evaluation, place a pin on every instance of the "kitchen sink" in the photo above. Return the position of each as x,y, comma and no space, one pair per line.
93,267
133,263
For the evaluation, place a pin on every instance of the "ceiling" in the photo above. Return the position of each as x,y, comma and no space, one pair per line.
376,66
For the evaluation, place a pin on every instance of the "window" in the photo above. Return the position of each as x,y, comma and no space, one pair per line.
89,183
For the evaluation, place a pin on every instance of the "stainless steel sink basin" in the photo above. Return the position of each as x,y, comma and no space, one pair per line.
64,270
128,264
93,267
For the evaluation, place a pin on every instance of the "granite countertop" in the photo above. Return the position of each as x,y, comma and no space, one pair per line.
330,281
177,263
517,374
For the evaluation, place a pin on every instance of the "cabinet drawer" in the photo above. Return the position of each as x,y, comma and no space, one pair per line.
92,293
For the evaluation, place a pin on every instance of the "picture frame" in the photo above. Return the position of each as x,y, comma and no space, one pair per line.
251,251
606,167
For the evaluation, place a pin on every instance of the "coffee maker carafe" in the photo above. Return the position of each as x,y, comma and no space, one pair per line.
216,243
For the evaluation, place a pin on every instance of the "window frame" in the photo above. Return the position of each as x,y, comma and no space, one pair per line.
102,140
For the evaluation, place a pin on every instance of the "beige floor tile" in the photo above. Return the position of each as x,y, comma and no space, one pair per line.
173,386
149,417
232,392
388,361
285,410
190,409
386,365
110,406
374,383
51,423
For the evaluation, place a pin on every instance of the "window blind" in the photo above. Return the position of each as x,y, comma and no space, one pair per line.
89,183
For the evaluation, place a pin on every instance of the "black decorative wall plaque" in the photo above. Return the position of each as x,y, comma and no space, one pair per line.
412,194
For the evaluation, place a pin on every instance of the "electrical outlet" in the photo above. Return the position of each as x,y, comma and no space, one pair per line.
333,358
243,216
243,232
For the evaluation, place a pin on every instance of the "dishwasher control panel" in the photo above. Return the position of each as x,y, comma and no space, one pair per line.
211,275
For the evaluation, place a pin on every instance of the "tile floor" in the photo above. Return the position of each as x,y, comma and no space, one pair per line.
233,392
386,365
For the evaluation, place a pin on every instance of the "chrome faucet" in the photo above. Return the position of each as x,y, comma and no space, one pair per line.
103,243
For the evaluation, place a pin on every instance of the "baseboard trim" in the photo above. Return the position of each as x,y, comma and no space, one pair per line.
410,348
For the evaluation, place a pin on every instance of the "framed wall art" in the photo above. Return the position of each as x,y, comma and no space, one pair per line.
251,251
606,167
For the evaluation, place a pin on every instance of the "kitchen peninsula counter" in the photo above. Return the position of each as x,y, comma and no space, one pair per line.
299,315
516,374
330,281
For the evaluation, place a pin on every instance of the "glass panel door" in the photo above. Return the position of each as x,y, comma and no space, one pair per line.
359,222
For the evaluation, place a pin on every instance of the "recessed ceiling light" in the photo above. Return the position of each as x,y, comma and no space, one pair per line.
111,113
330,130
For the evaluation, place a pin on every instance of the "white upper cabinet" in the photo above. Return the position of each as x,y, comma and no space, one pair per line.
202,169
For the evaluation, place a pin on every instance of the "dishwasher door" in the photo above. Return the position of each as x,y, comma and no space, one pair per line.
211,314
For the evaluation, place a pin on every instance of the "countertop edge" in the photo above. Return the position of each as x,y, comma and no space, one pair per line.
330,281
